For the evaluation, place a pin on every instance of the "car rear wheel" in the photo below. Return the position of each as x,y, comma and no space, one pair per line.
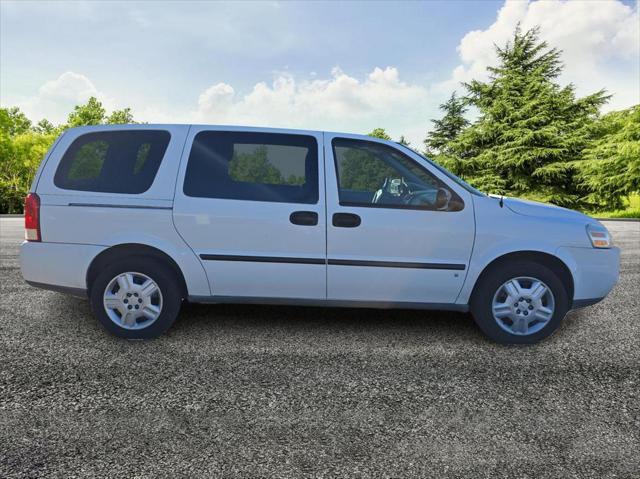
136,298
521,302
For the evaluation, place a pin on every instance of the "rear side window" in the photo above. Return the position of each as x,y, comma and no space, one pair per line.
253,166
113,161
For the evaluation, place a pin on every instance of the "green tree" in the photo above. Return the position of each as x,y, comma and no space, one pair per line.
13,121
15,174
530,129
403,141
120,117
448,128
45,127
379,133
23,145
91,113
19,159
611,165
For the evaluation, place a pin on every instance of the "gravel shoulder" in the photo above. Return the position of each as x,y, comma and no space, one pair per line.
246,391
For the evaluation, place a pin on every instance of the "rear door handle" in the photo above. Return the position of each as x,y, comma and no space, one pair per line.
304,218
346,220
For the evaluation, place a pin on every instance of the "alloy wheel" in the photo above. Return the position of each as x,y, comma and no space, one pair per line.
132,300
523,305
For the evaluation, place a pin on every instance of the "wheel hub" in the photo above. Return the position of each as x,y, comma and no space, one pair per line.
132,300
523,305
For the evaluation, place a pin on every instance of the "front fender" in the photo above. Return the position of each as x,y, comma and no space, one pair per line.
484,256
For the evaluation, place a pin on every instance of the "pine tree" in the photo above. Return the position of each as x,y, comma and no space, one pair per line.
530,129
611,165
448,127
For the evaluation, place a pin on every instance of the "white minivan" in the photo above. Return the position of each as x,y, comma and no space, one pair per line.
139,218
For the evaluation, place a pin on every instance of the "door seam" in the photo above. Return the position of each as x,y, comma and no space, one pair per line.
173,221
326,219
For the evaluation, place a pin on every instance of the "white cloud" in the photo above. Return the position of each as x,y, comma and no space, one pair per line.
341,102
69,86
56,98
600,43
599,40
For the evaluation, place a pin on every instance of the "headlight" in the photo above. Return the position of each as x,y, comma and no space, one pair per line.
599,236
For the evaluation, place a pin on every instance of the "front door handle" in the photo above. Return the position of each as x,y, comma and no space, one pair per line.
304,218
346,220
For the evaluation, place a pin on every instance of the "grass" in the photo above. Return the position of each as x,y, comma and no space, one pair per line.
632,210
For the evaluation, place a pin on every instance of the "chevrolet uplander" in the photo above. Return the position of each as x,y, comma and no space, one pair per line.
139,218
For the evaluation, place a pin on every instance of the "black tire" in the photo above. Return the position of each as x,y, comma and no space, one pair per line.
163,276
481,301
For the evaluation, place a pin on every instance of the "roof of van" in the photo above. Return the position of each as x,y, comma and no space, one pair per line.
142,126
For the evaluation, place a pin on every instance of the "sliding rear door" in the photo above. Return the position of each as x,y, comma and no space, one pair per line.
250,203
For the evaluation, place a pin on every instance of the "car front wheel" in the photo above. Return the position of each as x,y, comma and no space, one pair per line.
521,302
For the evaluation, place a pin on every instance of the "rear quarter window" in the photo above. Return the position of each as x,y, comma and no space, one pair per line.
113,161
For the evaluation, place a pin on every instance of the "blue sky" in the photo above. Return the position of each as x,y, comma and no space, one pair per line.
327,65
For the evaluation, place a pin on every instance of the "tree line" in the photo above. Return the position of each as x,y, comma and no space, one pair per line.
23,144
529,136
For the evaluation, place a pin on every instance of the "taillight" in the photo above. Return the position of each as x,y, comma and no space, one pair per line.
32,217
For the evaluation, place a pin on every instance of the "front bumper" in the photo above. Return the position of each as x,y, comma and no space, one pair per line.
583,303
595,272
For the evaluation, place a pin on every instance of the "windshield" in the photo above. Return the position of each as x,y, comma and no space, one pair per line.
450,175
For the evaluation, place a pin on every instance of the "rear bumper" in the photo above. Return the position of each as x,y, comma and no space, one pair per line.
57,266
595,272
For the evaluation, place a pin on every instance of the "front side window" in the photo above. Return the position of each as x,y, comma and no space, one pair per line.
377,175
112,161
253,166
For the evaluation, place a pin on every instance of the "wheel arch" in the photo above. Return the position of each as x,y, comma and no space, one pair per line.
128,250
552,262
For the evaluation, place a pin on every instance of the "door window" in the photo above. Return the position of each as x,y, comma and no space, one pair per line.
376,175
253,166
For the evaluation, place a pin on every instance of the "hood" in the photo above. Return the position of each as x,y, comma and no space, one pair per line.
534,208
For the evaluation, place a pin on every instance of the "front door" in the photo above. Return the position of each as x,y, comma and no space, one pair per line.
251,206
399,231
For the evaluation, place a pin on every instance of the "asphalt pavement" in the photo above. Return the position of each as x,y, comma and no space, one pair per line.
255,391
